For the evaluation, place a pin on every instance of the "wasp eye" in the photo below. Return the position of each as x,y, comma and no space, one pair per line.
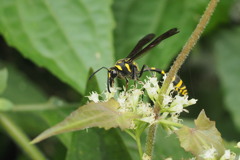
113,73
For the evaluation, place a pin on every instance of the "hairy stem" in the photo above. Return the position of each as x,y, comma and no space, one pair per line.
188,46
176,66
150,140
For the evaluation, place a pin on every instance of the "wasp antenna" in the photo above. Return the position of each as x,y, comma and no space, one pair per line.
97,71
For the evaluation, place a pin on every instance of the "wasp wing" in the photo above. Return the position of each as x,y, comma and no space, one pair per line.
154,43
142,42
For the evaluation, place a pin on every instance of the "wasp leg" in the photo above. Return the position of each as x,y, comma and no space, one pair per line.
141,71
126,86
155,70
134,73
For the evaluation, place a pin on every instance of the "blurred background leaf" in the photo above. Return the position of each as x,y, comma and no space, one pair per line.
101,143
135,19
67,37
3,79
226,51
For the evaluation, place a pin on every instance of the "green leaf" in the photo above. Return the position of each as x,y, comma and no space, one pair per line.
5,104
201,138
168,146
138,18
105,144
20,88
102,115
34,109
3,79
51,117
226,49
67,37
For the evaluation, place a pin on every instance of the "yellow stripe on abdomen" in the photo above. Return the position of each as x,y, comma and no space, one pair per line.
179,84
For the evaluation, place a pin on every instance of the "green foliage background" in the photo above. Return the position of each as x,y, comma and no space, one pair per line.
48,48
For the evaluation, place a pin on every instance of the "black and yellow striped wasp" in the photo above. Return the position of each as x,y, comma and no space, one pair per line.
126,68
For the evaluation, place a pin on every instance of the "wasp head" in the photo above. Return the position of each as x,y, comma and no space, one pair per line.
112,73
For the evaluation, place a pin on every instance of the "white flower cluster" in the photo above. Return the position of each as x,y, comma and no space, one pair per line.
211,154
132,101
172,105
152,88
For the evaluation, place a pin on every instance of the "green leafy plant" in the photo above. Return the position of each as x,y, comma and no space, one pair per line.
70,37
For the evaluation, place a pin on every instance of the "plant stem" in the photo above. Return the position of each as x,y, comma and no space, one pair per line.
150,140
20,138
176,66
170,123
40,107
131,134
139,145
188,46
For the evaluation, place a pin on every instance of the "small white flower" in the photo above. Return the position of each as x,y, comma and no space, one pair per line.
228,155
129,100
133,97
180,100
93,97
167,99
110,95
238,145
174,118
149,120
177,108
192,101
152,88
209,153
146,157
179,103
121,99
144,109
146,112
153,81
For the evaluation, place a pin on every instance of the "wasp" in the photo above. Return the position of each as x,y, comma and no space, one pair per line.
127,68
